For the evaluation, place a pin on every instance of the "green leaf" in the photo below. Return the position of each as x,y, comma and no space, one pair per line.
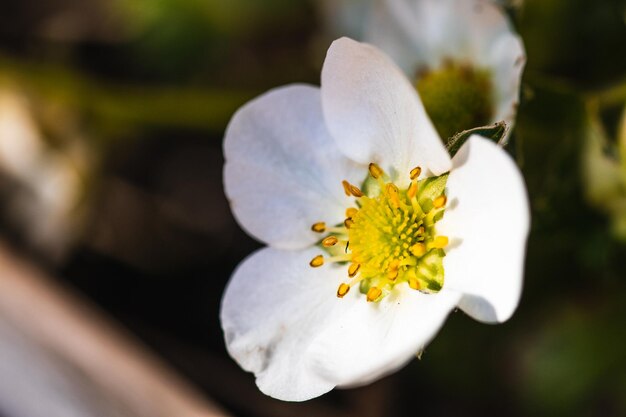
495,132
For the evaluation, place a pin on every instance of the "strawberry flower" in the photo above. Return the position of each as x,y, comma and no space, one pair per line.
374,233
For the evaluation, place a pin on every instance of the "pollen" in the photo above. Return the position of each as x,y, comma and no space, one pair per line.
374,293
440,201
317,261
351,211
319,227
376,171
353,270
342,290
440,242
415,172
390,239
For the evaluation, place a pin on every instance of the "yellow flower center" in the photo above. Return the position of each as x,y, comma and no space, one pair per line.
456,97
389,237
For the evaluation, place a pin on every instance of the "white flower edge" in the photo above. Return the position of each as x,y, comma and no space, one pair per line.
283,322
374,113
282,319
283,170
488,220
426,33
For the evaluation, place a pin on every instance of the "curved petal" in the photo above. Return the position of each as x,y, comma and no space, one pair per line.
273,307
506,61
487,221
371,340
283,171
283,321
374,113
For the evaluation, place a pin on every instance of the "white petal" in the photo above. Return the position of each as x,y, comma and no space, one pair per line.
374,113
487,222
273,308
506,61
283,321
370,340
283,171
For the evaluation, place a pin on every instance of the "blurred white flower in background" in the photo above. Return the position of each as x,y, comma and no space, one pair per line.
462,55
289,314
39,184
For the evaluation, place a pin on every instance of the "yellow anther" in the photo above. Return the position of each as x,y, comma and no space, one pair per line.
348,222
373,293
391,189
319,227
317,261
415,172
392,274
353,269
412,192
351,212
419,249
355,191
376,171
421,230
392,193
414,283
342,290
394,265
440,201
346,187
329,241
440,242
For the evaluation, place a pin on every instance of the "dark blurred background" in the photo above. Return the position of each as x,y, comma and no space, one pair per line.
115,187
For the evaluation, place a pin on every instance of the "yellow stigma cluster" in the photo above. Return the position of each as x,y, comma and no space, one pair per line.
388,238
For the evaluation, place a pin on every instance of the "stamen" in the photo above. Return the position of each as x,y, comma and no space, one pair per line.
346,187
342,290
440,242
353,269
376,171
389,237
392,274
355,191
415,172
419,249
351,212
339,258
440,201
414,283
394,265
392,192
317,261
412,192
373,293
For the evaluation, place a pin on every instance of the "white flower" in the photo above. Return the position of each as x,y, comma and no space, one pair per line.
287,152
430,39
